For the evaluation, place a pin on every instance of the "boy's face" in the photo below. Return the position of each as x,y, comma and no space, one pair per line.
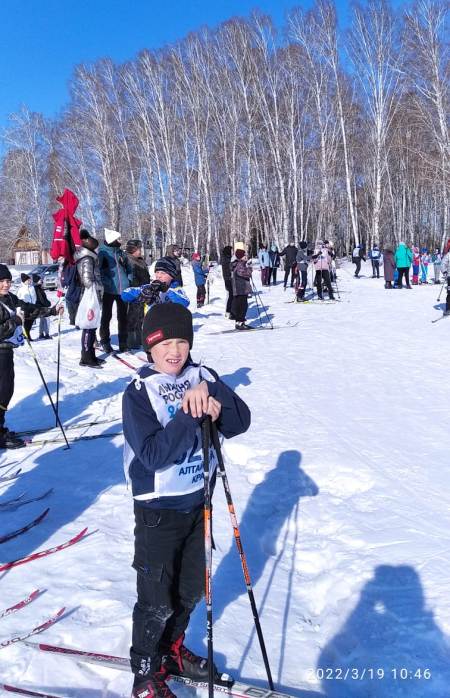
164,277
5,285
170,355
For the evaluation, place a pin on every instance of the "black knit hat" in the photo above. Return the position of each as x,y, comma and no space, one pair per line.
4,272
24,277
167,265
36,278
133,245
167,321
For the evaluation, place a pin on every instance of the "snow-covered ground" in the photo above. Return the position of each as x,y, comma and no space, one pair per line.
341,486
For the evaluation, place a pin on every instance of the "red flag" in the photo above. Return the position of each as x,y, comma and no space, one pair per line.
66,233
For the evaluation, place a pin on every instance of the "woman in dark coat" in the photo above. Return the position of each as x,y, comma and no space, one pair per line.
225,261
139,277
241,274
389,267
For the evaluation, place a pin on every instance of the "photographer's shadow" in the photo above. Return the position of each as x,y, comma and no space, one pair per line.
389,641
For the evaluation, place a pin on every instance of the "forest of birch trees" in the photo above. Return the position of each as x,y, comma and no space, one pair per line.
247,131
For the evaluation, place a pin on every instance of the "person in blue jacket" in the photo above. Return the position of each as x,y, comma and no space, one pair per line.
200,276
163,409
163,289
115,270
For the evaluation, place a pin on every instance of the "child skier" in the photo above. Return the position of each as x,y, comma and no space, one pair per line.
163,408
11,337
42,302
415,265
163,289
200,276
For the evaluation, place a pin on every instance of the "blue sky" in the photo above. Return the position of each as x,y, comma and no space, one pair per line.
40,43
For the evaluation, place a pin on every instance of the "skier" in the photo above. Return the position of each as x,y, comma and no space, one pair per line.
357,258
322,264
225,261
86,259
389,266
375,258
139,276
446,273
241,273
415,265
163,408
264,264
290,252
274,263
173,252
11,336
70,284
424,262
436,260
42,302
27,293
200,276
403,259
303,259
114,271
163,289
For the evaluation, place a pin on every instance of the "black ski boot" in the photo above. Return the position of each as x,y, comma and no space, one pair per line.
152,686
88,359
8,439
179,661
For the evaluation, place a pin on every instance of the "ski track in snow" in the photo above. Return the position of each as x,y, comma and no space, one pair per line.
341,488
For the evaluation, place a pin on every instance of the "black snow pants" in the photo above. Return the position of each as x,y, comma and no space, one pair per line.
6,381
169,558
105,336
323,275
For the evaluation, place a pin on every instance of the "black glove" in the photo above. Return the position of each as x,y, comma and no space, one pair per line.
150,292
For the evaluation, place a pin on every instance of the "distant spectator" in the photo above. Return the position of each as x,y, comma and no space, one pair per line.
274,264
403,259
290,265
225,261
114,270
415,265
264,264
27,294
389,266
200,276
357,257
173,252
138,276
375,258
70,282
41,302
424,263
436,261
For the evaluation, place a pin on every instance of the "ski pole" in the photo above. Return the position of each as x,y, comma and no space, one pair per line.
262,307
58,363
237,538
440,292
58,421
206,433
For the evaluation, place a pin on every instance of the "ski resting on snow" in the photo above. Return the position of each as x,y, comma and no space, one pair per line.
25,691
20,501
21,604
44,553
24,529
237,690
35,631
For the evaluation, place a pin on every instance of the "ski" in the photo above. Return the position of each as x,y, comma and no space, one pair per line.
25,691
24,529
7,478
125,362
5,465
440,318
19,501
21,604
38,629
60,439
83,425
44,553
257,328
237,690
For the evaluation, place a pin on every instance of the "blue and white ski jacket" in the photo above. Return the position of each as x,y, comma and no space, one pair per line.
163,446
174,294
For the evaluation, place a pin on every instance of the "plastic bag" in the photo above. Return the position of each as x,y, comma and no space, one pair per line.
88,313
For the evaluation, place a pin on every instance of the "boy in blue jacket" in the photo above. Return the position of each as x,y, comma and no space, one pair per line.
200,276
163,408
163,289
